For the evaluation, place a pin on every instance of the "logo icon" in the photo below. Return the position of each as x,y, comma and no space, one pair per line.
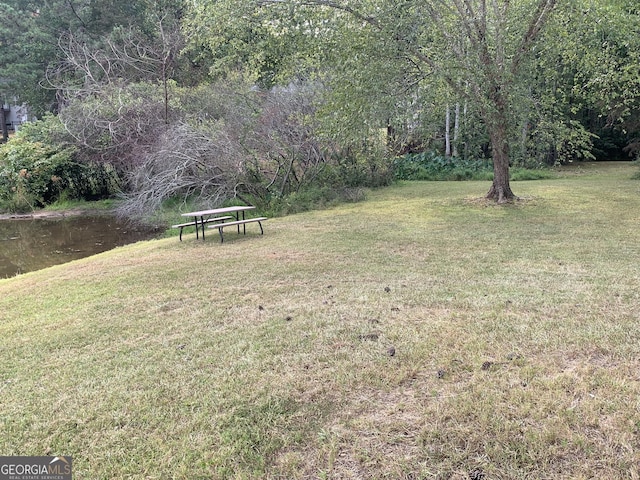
36,468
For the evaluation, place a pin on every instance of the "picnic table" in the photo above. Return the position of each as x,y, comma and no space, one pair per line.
217,218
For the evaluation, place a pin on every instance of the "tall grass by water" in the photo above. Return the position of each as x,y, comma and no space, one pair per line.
422,333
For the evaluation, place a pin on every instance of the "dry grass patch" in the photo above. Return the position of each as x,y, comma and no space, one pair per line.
414,335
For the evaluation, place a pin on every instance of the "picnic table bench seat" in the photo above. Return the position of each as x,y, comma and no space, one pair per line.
221,226
193,224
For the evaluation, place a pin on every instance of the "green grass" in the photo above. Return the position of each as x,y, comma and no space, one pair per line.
516,332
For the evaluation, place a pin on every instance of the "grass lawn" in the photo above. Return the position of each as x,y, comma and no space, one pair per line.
422,333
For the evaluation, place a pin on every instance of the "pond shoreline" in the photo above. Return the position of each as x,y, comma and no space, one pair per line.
41,239
53,214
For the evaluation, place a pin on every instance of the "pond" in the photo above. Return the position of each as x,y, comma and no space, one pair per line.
34,243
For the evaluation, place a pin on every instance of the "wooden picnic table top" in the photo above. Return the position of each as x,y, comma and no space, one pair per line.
216,211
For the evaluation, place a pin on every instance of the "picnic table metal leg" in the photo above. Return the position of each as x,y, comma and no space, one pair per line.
202,223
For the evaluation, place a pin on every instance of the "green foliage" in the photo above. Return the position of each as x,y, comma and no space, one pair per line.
29,34
431,166
313,197
342,180
587,77
49,130
270,42
309,198
608,76
362,166
35,171
30,174
352,72
559,142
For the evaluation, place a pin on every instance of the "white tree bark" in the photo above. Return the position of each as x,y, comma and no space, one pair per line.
456,130
447,133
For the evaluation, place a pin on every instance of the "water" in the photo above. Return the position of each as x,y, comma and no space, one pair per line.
34,243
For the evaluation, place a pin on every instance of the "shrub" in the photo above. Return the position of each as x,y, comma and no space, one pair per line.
310,198
35,171
365,166
29,174
431,166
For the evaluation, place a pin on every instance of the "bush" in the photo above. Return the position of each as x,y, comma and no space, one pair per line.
365,166
30,174
36,171
310,198
431,166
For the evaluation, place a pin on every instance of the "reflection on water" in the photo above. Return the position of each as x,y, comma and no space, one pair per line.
31,244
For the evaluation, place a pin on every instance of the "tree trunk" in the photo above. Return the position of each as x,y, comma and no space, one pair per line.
465,144
456,130
500,190
3,119
524,135
165,85
447,134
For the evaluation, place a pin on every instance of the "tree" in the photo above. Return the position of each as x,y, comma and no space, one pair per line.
126,55
19,65
29,36
114,91
608,75
485,47
478,48
3,125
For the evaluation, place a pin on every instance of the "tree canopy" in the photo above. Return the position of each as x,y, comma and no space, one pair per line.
33,33
519,82
544,78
